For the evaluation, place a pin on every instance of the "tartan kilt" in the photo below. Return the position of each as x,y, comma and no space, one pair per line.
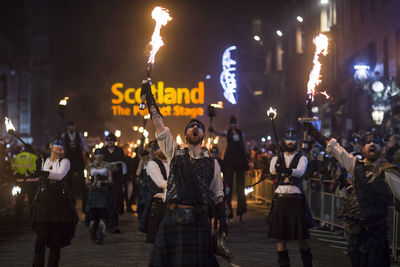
370,248
183,244
153,220
288,218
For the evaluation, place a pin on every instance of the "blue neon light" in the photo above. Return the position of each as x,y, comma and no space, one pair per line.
228,76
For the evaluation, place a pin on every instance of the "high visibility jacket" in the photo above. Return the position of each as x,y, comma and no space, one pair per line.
24,162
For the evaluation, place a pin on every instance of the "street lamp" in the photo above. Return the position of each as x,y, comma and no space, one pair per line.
378,113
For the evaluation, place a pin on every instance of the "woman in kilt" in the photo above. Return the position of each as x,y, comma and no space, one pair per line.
54,217
288,220
98,180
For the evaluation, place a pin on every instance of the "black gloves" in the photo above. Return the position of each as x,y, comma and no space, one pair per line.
150,101
315,133
44,174
281,169
221,217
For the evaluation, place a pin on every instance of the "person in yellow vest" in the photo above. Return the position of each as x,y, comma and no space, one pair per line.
23,167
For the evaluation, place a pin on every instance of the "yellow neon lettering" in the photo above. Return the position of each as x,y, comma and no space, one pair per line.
116,92
127,96
183,93
200,94
170,96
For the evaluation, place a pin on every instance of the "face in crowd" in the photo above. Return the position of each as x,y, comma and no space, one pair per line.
57,148
372,151
290,145
194,132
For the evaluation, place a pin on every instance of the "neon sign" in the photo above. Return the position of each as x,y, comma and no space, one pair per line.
228,76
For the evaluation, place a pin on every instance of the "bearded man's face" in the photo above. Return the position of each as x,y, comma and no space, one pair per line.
194,136
290,146
372,151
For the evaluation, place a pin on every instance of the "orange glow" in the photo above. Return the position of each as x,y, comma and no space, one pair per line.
321,45
162,17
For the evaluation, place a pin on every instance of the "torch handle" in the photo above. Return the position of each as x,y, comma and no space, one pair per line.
276,136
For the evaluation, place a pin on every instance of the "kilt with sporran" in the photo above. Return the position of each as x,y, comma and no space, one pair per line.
154,217
288,217
186,243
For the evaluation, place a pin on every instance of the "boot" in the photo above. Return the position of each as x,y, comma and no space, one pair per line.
38,260
54,259
306,257
283,258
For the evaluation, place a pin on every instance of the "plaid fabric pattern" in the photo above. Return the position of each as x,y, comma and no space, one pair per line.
370,248
183,244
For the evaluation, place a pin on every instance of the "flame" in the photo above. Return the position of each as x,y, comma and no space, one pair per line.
248,190
161,16
271,113
321,45
16,190
179,140
325,94
216,140
9,124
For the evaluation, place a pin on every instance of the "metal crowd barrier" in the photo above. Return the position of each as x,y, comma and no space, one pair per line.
324,205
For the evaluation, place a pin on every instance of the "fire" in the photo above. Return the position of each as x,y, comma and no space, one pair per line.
162,17
248,190
271,113
9,124
321,45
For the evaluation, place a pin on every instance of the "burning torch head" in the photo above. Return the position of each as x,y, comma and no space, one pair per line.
271,113
194,132
290,141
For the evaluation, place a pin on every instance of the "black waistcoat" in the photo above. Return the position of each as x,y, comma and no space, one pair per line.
235,151
296,181
190,179
373,197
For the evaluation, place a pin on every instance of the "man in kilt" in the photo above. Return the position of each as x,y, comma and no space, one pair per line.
288,220
194,187
365,211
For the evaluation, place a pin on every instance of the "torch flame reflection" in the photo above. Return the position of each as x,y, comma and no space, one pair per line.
161,16
321,45
9,124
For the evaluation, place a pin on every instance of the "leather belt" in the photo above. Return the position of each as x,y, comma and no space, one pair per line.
296,196
196,208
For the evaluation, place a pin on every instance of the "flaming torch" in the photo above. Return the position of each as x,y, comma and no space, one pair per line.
321,48
162,17
11,129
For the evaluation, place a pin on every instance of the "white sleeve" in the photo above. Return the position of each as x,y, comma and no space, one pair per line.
155,174
216,184
166,143
301,167
60,172
347,160
272,165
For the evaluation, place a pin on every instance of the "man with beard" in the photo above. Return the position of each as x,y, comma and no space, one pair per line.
194,187
158,171
288,220
115,155
234,163
365,211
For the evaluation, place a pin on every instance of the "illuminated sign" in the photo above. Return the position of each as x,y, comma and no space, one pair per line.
228,76
171,101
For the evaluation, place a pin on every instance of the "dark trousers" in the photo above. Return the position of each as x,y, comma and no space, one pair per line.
28,188
229,171
97,214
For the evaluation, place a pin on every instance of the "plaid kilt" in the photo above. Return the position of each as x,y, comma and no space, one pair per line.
370,248
97,198
183,244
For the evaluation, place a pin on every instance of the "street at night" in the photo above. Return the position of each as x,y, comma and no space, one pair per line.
171,133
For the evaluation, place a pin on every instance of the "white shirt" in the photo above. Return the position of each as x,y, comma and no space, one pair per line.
298,172
153,170
58,169
168,147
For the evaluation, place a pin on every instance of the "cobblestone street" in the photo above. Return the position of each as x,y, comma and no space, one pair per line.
247,240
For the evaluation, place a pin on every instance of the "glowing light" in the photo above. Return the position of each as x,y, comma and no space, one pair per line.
269,138
162,17
85,134
219,105
248,190
141,130
258,92
179,140
146,117
314,109
135,128
279,33
85,173
64,101
138,142
16,190
378,113
117,133
131,145
324,93
257,38
208,76
146,140
216,140
101,144
361,67
228,75
378,87
9,124
271,113
106,133
263,140
321,45
299,19
324,2
145,133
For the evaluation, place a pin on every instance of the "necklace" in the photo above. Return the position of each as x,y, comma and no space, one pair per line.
52,164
